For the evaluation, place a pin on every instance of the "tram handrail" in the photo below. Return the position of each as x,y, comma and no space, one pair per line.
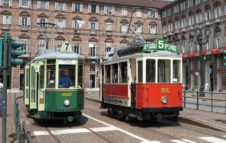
209,98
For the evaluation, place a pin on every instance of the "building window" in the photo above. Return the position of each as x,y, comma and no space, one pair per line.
92,65
41,44
177,24
217,11
153,29
124,11
139,28
92,49
198,17
152,13
124,28
42,4
77,7
164,14
6,2
190,3
24,21
138,13
60,23
182,6
26,47
109,10
25,3
169,12
176,8
93,8
197,2
93,26
58,44
108,48
59,6
75,25
207,15
6,20
218,40
42,22
77,47
109,27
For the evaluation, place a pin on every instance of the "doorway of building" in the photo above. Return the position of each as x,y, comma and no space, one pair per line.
92,81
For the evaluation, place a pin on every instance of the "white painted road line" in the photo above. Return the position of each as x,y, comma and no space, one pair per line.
70,131
124,131
40,133
213,139
188,141
177,141
103,129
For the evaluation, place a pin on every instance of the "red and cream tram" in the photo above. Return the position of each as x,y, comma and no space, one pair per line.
143,82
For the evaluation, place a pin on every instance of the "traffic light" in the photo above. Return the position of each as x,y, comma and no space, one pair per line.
14,52
224,57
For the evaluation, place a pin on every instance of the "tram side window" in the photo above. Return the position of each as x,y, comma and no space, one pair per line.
163,70
115,73
66,76
51,76
80,74
107,74
140,71
42,77
123,72
150,71
33,85
176,71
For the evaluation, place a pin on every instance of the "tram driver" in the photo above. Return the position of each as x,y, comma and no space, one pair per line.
64,81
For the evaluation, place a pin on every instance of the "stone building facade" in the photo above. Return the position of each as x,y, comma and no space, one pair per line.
93,28
180,21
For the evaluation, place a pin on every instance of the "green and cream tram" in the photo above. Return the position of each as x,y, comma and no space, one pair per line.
54,86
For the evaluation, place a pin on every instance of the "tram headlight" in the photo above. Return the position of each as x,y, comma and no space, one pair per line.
164,99
66,102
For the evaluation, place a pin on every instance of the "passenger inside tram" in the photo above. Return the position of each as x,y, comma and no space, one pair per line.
65,80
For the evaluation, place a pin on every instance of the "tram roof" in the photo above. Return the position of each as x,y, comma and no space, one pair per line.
58,55
154,54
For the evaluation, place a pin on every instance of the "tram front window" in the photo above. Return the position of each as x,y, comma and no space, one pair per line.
66,76
51,76
176,71
164,71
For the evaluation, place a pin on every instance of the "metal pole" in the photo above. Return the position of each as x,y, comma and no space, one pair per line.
211,101
184,98
197,101
202,72
4,131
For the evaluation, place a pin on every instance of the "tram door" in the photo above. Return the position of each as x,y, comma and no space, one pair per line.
41,85
33,86
133,82
26,84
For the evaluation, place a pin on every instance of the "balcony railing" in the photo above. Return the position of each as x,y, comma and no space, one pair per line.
93,32
108,33
24,27
59,29
5,26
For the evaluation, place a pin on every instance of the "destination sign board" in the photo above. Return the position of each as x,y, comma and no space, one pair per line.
160,45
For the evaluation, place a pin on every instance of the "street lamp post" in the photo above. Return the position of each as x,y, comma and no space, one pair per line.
201,37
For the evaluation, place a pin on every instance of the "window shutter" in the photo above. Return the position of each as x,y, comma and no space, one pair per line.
56,3
47,5
56,22
64,23
20,20
28,21
89,25
81,7
97,8
38,4
20,2
105,9
89,8
73,24
10,2
96,25
29,3
0,2
73,7
64,7
113,10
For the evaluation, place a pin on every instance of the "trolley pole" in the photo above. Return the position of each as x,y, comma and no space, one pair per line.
4,119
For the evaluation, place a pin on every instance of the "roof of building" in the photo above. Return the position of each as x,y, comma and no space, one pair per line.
137,3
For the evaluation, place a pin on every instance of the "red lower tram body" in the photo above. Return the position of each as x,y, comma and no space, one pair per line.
143,101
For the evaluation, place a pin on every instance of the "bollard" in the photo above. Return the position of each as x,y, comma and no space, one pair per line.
197,102
211,101
184,98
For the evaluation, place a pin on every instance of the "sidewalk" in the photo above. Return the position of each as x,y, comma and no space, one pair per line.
205,119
